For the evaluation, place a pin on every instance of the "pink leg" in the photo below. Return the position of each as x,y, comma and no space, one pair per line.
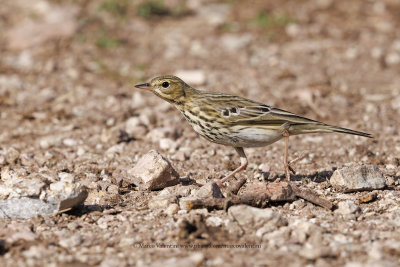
286,162
286,157
243,165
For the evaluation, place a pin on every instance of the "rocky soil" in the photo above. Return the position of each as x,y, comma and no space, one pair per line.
72,124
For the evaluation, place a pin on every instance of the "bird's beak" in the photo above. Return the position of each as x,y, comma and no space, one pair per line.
145,86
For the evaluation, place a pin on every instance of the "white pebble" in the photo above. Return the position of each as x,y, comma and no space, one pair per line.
172,209
69,142
167,144
392,58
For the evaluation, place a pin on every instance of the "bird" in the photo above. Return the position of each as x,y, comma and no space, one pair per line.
236,121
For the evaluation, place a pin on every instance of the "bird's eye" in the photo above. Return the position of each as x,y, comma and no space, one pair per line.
165,84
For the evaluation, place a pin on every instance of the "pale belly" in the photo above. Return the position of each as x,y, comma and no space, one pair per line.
255,137
247,137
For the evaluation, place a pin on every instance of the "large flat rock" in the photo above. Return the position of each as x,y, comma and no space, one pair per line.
360,178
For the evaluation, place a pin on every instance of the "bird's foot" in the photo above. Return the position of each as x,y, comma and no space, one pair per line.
289,168
220,184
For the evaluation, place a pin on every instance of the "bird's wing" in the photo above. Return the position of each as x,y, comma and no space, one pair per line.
238,110
241,112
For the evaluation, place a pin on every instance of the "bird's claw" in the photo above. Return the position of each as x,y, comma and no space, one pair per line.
293,161
220,184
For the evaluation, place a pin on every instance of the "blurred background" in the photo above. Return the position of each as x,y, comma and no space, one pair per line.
67,68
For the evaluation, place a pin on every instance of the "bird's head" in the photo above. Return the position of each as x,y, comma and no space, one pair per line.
169,88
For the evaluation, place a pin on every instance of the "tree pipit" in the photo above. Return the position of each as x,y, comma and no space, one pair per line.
236,121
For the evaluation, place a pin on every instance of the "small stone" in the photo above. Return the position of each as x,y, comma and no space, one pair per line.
214,14
139,131
148,118
167,144
313,253
160,202
69,142
392,58
80,152
183,191
264,167
113,189
249,216
377,252
209,190
301,230
157,133
27,159
234,42
66,177
12,155
167,192
64,184
131,124
376,52
351,53
153,172
361,178
24,60
57,186
138,100
197,258
48,141
348,207
24,235
110,122
390,181
186,204
390,167
9,175
104,222
179,155
214,221
15,184
297,205
195,77
172,209
71,241
278,238
307,227
323,4
293,30
298,236
112,260
368,198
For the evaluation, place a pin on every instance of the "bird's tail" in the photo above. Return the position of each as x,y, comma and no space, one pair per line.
323,128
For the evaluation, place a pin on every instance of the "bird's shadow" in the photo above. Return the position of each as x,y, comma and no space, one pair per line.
317,177
83,209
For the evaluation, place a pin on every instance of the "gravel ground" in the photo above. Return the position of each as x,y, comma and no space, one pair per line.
68,105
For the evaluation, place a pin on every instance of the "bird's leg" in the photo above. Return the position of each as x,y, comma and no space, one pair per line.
286,157
243,165
288,163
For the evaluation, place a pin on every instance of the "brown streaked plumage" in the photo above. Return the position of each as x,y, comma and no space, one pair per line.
236,121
